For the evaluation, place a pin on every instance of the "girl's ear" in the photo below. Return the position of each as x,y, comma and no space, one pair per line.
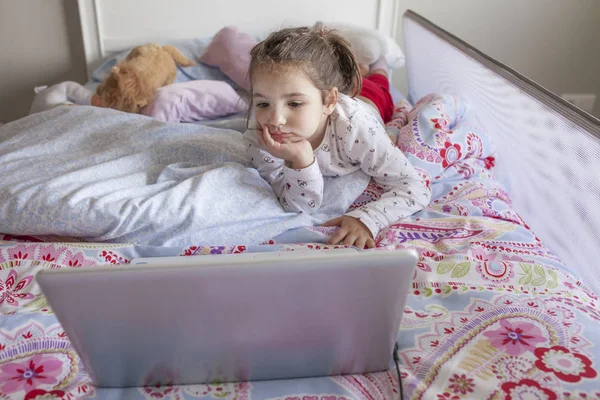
330,101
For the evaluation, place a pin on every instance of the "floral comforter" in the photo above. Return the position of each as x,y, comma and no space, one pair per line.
493,314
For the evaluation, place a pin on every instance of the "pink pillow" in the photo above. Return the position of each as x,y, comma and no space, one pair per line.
194,101
229,50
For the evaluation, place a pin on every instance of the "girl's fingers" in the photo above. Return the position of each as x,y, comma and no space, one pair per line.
269,142
261,137
266,136
338,236
350,239
360,242
370,243
333,222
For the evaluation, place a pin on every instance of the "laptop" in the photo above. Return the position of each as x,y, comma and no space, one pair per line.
231,318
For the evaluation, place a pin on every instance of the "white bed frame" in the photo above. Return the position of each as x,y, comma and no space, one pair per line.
110,26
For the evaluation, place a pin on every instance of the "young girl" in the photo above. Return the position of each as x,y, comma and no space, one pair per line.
309,125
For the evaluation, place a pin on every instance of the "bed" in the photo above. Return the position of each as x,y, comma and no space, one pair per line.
504,300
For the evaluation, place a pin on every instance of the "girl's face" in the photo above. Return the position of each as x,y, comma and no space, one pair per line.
288,102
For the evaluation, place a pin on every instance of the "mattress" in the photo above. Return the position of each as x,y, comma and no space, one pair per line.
491,309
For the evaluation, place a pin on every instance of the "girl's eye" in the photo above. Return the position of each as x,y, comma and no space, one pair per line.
262,105
294,104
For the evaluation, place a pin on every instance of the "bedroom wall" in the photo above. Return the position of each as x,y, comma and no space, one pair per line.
556,43
40,44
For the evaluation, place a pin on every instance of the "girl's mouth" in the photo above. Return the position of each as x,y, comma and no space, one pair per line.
278,137
281,135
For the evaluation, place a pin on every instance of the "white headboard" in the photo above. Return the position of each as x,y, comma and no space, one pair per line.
110,26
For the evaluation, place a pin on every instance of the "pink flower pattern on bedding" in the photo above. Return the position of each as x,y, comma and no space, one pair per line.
492,313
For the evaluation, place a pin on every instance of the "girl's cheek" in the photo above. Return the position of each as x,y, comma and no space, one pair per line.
258,118
261,115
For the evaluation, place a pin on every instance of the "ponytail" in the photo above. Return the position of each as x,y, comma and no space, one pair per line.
348,66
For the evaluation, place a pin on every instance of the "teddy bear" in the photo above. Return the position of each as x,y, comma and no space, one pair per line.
131,84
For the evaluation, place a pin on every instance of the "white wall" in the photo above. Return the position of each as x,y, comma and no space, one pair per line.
556,43
40,44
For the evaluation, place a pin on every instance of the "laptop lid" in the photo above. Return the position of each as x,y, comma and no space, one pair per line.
237,318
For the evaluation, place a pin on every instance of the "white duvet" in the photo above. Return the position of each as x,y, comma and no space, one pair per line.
105,175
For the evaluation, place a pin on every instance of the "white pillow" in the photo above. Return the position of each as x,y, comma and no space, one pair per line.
369,44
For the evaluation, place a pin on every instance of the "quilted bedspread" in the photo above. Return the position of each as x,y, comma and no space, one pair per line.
492,313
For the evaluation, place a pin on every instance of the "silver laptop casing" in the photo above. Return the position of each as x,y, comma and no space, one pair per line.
233,318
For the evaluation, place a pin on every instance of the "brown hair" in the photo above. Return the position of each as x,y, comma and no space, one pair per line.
324,55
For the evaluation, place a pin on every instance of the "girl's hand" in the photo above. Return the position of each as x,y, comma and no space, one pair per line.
352,232
287,146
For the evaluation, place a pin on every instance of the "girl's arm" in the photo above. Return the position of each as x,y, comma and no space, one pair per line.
405,192
298,190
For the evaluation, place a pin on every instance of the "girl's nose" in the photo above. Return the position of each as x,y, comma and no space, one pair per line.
276,120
